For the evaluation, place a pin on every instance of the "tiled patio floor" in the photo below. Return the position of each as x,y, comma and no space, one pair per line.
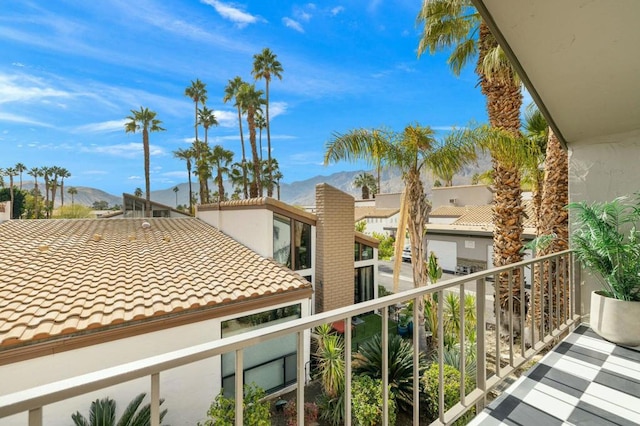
585,380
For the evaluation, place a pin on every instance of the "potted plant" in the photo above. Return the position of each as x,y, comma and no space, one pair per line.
403,325
607,243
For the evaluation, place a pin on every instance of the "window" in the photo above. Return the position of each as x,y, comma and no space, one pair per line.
286,230
272,365
363,284
362,252
282,240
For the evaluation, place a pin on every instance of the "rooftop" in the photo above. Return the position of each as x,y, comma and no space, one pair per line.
59,277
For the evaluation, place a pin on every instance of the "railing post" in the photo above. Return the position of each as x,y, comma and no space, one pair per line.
239,379
463,347
347,372
301,378
155,399
385,366
416,359
481,355
441,356
35,417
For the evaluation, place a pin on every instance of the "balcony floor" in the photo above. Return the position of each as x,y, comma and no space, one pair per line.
585,380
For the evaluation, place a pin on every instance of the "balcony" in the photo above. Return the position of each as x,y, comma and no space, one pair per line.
497,358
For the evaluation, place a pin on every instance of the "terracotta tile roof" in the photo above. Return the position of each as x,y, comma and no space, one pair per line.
449,211
371,211
65,276
483,215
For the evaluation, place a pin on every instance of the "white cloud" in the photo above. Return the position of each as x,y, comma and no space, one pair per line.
23,88
13,118
337,10
18,64
103,127
135,177
95,172
227,118
231,13
130,150
276,109
294,25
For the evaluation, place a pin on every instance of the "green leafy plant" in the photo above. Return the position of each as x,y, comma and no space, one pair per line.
607,242
366,401
331,365
368,361
256,412
385,248
332,408
103,413
361,226
451,379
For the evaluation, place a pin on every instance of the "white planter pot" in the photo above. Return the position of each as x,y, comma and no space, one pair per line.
617,321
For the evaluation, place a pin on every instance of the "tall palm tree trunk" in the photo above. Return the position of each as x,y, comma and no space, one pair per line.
504,101
244,158
418,212
256,186
147,182
270,187
555,223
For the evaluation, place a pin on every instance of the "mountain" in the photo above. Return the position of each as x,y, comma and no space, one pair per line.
296,193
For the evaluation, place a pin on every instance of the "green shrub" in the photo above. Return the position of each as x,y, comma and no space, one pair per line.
256,412
451,378
366,402
386,246
368,361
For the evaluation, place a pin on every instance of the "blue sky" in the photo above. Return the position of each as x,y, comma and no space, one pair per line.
71,71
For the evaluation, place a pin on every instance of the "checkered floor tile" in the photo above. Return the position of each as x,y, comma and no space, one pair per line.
585,380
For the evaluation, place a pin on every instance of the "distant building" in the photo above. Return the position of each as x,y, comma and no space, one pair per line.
460,228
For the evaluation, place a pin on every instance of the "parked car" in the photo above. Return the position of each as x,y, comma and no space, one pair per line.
406,254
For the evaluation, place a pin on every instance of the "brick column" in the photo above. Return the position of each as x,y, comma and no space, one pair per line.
335,238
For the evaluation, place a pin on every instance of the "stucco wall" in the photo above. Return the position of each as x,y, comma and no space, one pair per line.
465,195
600,172
251,227
188,390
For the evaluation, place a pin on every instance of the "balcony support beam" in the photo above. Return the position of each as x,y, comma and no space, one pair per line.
155,399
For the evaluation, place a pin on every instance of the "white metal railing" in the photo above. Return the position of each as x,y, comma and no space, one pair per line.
562,305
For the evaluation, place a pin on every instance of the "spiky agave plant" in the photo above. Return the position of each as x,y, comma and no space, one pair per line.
607,242
368,361
103,413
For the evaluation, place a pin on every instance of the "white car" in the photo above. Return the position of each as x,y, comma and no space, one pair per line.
406,254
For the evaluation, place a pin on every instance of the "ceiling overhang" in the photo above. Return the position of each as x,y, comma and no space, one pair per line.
577,58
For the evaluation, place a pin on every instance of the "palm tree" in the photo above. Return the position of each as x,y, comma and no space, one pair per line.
537,133
138,192
198,93
72,191
202,153
103,413
206,118
35,172
410,152
346,147
220,160
236,176
46,175
175,191
261,123
456,25
451,156
266,66
251,100
277,177
20,168
231,92
510,153
55,174
11,172
367,182
64,174
554,225
187,156
146,121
